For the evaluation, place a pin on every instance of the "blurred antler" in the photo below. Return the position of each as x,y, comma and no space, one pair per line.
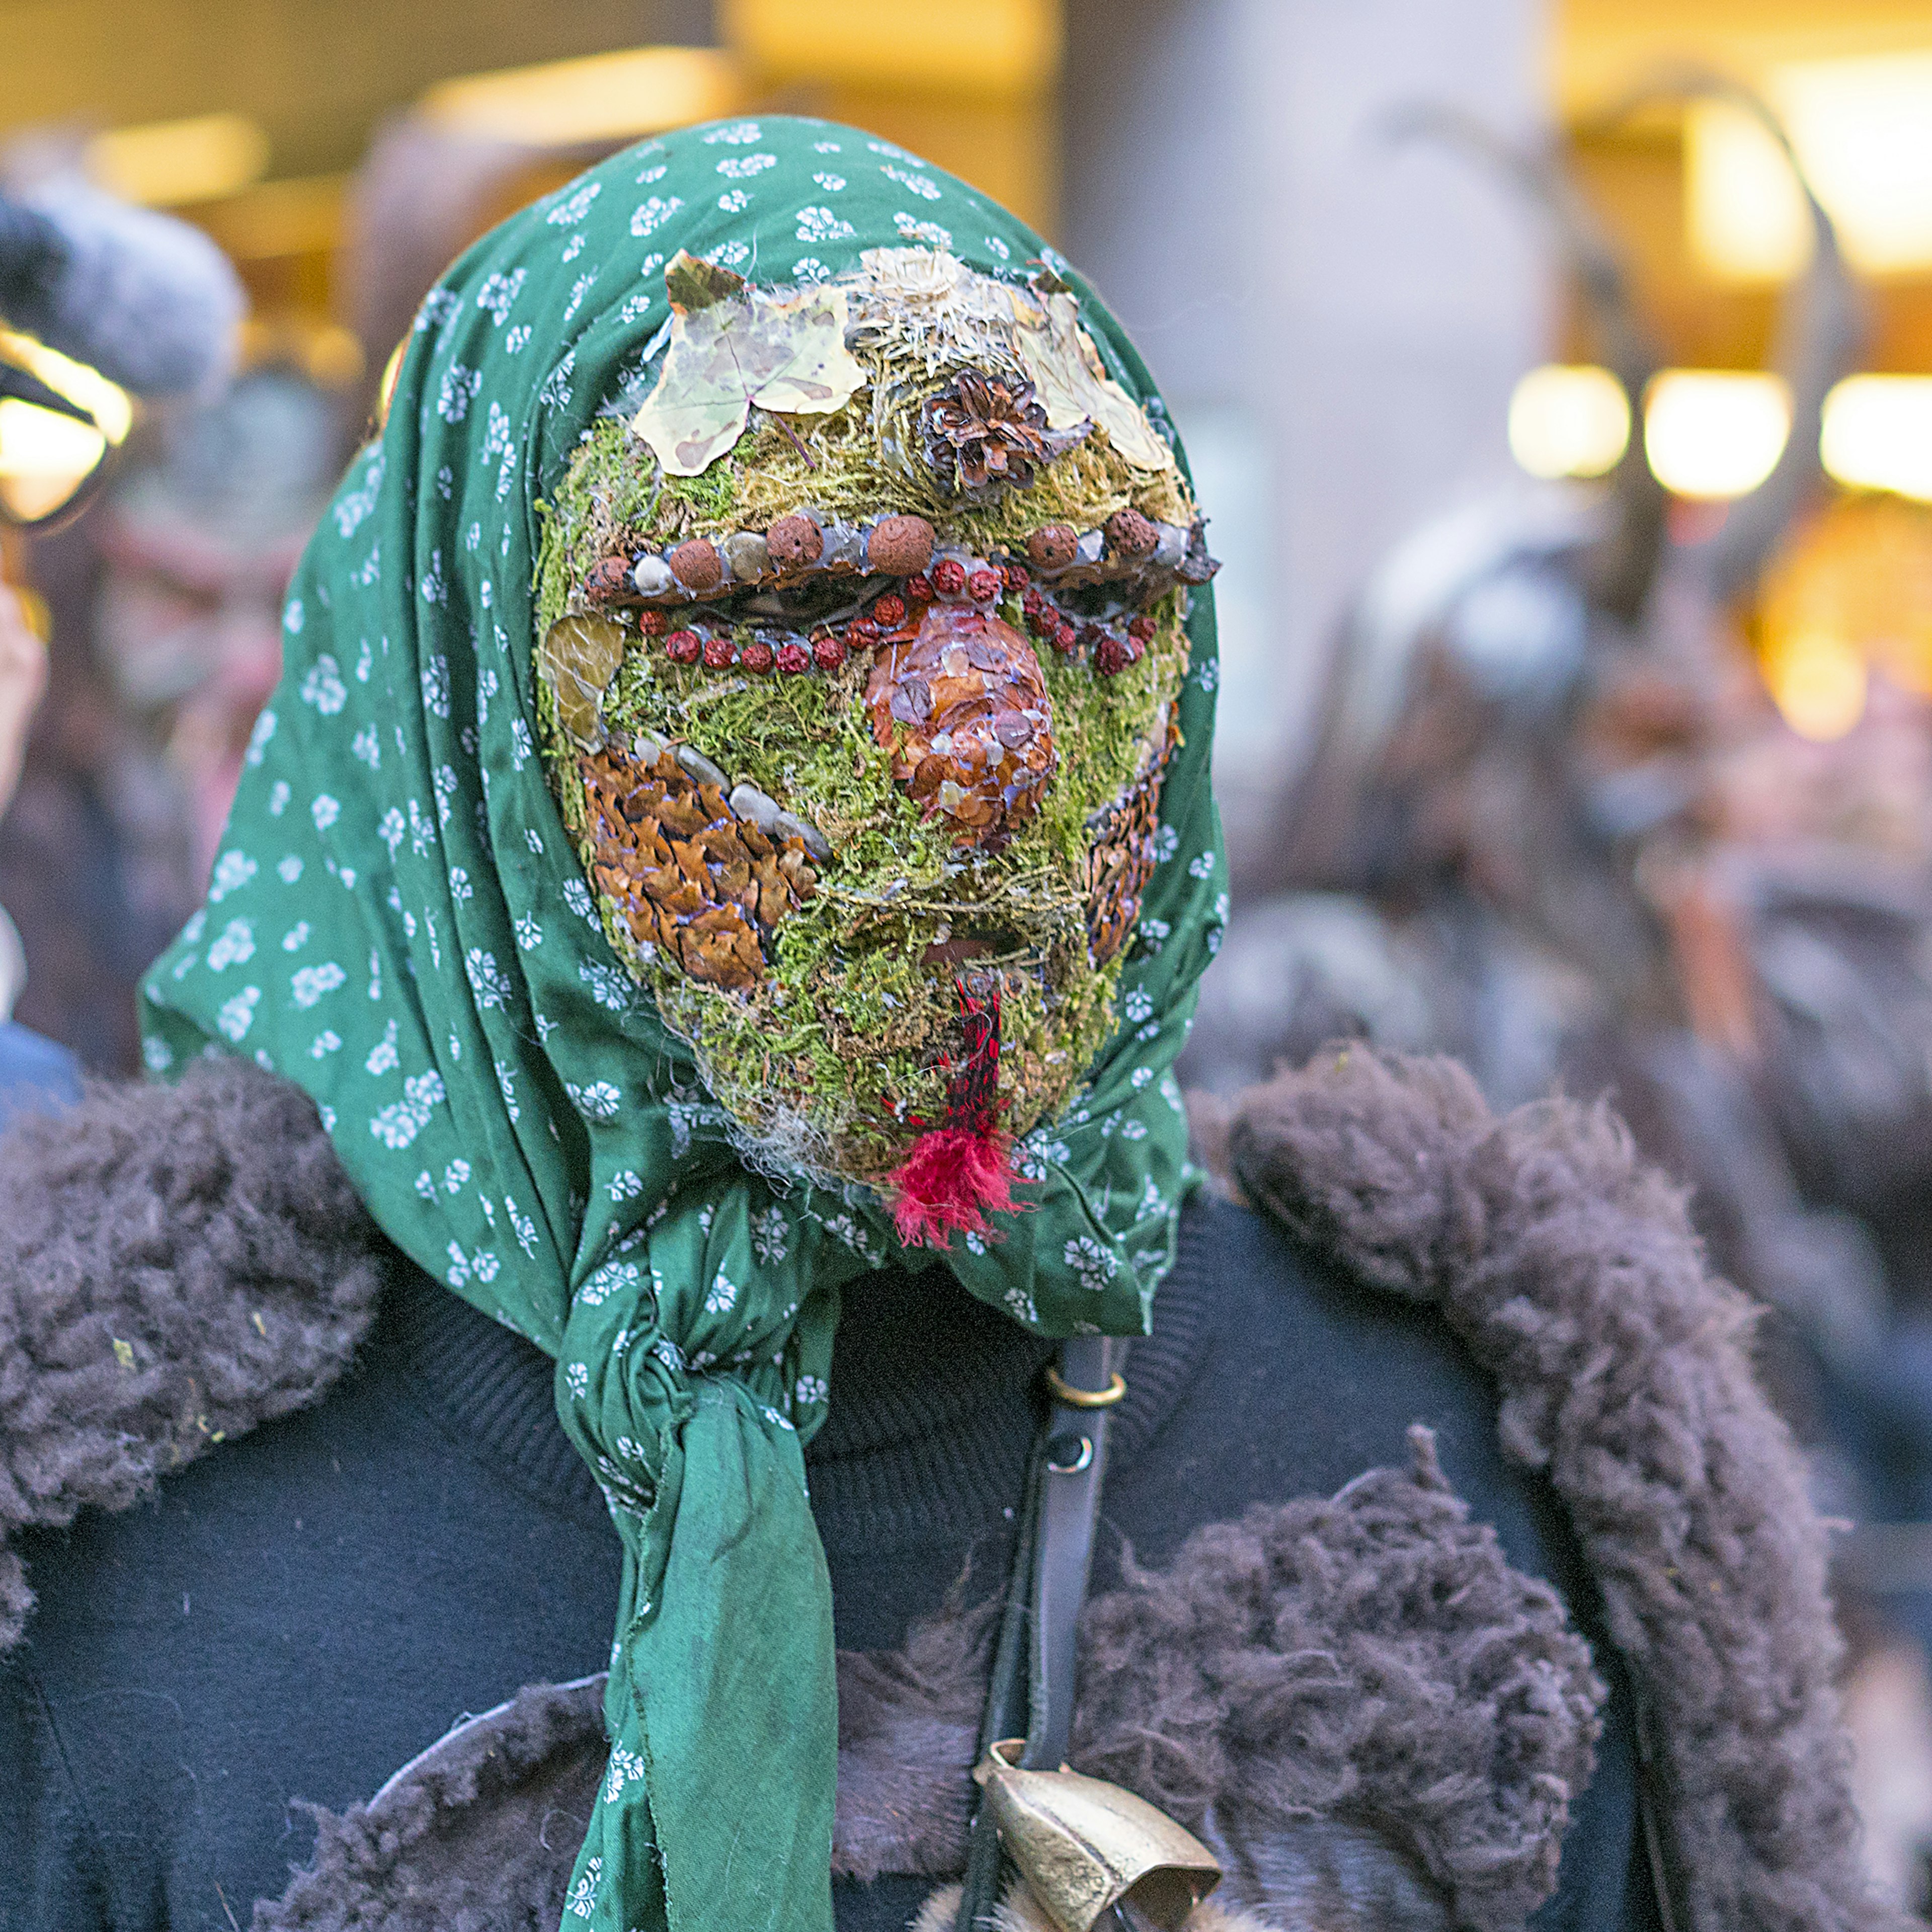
1623,565
1820,326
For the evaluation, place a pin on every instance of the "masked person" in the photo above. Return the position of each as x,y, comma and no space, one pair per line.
199,542
687,992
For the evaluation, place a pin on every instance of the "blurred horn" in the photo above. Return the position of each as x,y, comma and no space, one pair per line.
1820,328
1622,565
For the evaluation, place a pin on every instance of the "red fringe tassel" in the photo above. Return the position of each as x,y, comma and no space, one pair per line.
949,1183
959,1172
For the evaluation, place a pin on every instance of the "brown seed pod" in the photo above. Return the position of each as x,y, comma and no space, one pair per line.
963,708
1051,546
794,542
684,871
696,564
1130,534
609,583
900,546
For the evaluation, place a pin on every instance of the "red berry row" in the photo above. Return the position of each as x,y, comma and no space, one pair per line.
1109,652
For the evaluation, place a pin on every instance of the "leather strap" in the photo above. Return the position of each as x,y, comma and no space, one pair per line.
1035,1656
1072,1468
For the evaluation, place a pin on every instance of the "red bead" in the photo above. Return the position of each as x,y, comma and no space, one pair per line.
719,652
1111,655
653,623
889,612
1141,627
948,577
983,585
862,634
827,653
686,647
1064,636
1017,576
920,587
756,656
793,658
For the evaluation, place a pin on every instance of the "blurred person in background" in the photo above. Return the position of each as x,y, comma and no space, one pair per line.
199,544
167,603
27,1062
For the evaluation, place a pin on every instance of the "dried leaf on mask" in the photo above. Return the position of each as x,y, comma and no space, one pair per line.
578,658
1073,383
787,355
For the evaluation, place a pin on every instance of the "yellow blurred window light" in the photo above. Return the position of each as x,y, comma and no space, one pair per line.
1877,434
1818,680
1714,433
1568,420
1861,128
1711,434
991,47
46,456
609,97
167,163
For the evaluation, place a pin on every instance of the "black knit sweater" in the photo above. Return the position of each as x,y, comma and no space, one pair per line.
425,1540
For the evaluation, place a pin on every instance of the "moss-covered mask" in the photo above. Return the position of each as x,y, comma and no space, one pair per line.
864,640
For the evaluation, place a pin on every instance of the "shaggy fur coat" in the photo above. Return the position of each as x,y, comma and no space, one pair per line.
1373,1718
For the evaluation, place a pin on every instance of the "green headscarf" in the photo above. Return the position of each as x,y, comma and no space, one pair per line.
398,923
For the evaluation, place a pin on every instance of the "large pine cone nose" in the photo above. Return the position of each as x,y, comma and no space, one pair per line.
963,708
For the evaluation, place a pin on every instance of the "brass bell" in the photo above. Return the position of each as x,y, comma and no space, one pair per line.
1083,1845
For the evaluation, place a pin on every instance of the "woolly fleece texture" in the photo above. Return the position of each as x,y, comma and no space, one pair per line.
1373,1718
181,1263
168,1221
1570,1271
1370,1658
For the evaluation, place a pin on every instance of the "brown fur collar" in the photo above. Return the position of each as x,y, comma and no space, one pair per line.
1374,1721
1569,1269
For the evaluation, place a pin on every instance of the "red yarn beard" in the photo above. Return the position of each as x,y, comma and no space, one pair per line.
960,1171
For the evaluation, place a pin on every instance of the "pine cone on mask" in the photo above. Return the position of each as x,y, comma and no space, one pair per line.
983,435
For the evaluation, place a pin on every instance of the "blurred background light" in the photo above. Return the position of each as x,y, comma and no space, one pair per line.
997,46
1709,434
1877,434
44,456
1863,130
610,96
1818,680
168,163
109,404
1714,433
1568,419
